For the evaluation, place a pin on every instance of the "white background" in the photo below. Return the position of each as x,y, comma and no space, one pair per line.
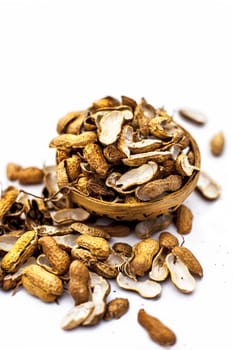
60,56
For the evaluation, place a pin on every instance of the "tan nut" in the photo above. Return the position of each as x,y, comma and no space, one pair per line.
184,218
58,258
69,141
94,156
189,259
22,249
8,198
153,189
79,283
12,170
156,329
217,144
168,240
30,176
144,252
116,308
98,246
41,283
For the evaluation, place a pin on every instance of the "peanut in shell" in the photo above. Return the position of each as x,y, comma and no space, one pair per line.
189,259
41,283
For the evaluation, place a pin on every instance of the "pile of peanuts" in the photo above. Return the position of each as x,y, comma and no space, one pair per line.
48,245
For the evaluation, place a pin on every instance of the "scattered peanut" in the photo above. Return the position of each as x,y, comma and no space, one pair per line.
7,199
98,246
30,176
168,240
23,248
58,258
79,282
156,329
184,217
217,143
41,283
116,308
26,176
189,259
12,171
143,253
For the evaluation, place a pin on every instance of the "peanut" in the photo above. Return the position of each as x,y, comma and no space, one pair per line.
168,240
98,246
58,258
30,176
41,283
116,308
153,189
156,329
23,248
79,282
12,171
184,217
143,251
217,143
9,196
94,156
189,259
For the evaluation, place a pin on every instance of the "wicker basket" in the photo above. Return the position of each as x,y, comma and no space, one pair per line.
142,210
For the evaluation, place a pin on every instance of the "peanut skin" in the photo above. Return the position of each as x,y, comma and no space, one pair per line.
157,330
79,282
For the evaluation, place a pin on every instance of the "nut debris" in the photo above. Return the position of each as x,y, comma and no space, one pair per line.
77,315
193,115
146,288
208,187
